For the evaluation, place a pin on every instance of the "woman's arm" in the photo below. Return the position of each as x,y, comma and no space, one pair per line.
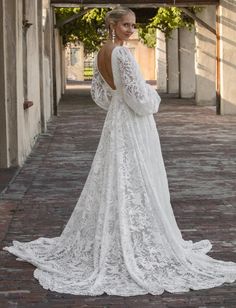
139,96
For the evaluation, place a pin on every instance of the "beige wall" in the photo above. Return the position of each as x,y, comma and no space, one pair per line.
75,71
30,119
21,62
145,57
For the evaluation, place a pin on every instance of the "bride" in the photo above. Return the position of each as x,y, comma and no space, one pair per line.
122,237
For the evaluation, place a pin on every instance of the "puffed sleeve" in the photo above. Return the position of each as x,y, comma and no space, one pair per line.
100,92
139,96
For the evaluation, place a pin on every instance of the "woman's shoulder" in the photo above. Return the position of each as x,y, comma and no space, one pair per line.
122,53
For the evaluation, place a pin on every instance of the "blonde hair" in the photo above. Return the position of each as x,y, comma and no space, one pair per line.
116,14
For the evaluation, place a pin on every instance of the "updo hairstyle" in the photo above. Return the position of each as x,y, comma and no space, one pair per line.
113,16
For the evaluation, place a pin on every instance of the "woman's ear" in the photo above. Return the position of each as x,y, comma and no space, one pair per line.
112,26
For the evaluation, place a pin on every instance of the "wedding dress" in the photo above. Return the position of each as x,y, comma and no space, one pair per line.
122,237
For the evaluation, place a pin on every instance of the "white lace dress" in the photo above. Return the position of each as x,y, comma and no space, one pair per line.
122,237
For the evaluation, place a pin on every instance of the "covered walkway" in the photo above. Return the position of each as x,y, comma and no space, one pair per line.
199,151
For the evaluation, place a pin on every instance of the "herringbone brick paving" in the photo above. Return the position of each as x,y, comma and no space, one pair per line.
199,150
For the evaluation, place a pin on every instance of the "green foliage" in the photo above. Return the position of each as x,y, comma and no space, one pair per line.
147,35
89,28
166,20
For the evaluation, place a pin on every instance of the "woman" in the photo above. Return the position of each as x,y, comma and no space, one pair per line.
122,237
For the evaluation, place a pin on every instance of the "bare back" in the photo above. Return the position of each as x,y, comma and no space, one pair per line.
104,64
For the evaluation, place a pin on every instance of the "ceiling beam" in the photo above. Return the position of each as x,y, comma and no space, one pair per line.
199,20
72,18
131,3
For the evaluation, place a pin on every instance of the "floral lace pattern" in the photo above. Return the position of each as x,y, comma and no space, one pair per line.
122,237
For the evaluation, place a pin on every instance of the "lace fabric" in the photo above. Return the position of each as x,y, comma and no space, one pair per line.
122,237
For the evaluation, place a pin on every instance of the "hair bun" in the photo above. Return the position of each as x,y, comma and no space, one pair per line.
117,12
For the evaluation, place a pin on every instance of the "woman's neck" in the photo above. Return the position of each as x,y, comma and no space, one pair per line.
116,42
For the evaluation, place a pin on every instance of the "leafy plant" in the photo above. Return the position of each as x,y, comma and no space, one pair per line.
166,20
88,28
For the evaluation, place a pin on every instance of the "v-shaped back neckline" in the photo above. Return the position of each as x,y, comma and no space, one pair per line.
96,61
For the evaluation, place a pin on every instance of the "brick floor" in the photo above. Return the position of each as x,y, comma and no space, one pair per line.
6,175
199,150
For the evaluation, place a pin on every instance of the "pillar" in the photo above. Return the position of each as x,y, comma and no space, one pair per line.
48,29
205,65
187,59
58,62
10,59
173,63
227,33
4,156
42,73
161,62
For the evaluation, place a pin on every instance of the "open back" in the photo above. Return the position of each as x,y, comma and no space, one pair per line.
104,65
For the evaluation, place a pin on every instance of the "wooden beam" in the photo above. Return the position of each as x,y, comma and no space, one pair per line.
142,15
199,20
75,16
132,3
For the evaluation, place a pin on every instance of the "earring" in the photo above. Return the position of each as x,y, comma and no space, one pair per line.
113,36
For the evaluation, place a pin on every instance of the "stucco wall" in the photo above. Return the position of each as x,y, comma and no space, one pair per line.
74,58
29,119
144,56
20,60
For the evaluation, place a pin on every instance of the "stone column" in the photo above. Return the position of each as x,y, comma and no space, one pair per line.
21,71
161,62
187,59
48,59
11,45
227,32
58,55
173,63
4,157
205,65
41,65
63,75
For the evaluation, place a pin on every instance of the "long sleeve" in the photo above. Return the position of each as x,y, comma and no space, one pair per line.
139,96
100,93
